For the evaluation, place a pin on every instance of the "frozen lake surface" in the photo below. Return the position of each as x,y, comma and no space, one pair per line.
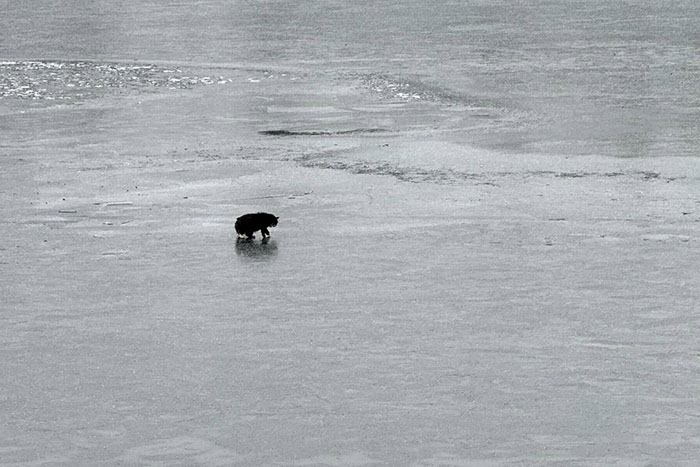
487,250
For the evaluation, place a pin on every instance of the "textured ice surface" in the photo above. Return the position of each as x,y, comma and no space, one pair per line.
80,80
538,311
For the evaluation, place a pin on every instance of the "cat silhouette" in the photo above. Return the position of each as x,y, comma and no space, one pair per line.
247,224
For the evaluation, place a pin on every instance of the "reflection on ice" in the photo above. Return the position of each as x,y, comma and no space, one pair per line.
256,250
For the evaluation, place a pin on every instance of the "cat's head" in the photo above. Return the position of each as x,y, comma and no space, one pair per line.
273,221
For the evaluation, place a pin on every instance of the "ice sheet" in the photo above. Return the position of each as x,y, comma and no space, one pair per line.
420,303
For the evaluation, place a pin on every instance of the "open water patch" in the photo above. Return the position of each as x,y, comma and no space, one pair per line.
80,80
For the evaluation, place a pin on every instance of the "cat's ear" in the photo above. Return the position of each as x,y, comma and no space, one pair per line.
276,217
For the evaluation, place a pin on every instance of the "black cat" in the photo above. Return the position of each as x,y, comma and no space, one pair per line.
249,223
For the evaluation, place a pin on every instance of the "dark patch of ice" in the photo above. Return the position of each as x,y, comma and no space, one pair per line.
321,132
447,176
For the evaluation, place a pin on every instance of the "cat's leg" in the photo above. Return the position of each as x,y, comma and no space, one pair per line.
249,235
265,232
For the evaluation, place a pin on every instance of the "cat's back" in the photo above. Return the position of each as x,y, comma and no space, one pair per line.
247,218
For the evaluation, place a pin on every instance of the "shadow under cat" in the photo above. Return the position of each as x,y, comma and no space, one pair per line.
250,248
